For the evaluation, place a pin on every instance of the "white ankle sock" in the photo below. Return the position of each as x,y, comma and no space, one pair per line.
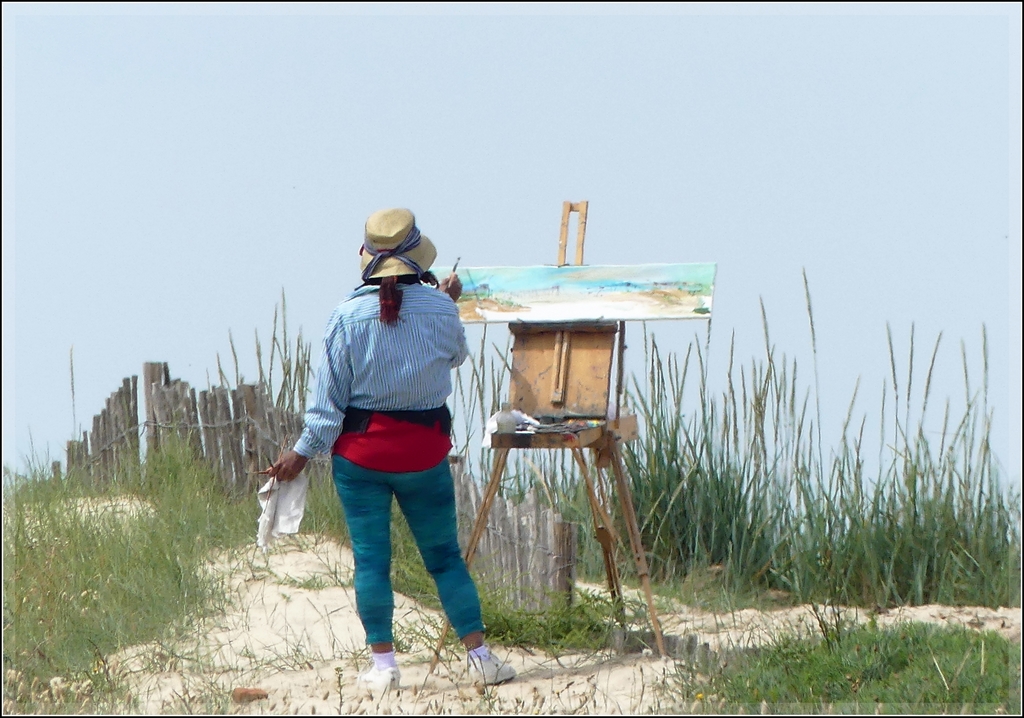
481,653
383,661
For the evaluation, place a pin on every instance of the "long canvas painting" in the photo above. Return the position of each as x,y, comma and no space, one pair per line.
585,293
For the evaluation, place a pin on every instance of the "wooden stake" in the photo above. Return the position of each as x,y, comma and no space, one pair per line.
133,420
152,376
249,410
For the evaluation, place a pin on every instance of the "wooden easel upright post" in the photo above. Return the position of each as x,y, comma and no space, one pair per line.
543,383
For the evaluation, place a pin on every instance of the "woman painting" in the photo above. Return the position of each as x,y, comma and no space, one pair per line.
379,408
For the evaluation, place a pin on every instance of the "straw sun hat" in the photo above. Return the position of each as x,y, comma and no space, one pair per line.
386,230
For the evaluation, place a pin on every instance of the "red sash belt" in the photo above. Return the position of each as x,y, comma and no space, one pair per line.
394,446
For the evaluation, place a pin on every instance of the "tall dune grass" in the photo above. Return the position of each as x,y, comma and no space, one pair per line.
740,481
743,480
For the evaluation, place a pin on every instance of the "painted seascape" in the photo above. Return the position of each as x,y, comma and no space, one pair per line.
586,293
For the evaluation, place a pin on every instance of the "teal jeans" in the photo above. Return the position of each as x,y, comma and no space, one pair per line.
427,499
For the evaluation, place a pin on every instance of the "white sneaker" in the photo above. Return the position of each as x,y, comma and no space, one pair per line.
378,680
491,671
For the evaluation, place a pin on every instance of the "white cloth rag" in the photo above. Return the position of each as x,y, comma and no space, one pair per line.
523,422
284,504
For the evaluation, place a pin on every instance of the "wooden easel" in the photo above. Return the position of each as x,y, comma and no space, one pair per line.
544,383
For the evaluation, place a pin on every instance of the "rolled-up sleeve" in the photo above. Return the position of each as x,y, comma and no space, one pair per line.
326,413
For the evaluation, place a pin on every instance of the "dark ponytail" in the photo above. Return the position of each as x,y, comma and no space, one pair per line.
390,300
390,296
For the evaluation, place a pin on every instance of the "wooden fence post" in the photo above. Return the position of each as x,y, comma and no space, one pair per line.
96,446
249,406
153,375
206,418
223,428
195,438
237,434
133,419
78,456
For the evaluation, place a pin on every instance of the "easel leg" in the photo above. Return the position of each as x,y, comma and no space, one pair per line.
604,528
498,468
633,528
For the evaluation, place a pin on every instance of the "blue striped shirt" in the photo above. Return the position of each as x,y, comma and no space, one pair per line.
367,364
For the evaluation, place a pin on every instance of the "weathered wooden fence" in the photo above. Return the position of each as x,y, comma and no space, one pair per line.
238,430
527,553
114,441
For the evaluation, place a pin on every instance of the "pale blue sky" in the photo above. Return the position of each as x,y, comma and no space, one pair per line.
166,174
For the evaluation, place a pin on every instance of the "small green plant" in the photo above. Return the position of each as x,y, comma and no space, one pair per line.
831,624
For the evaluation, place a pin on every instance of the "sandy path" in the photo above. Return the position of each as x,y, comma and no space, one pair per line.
293,632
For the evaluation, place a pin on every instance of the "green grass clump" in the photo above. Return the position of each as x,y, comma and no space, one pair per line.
81,581
909,668
585,624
